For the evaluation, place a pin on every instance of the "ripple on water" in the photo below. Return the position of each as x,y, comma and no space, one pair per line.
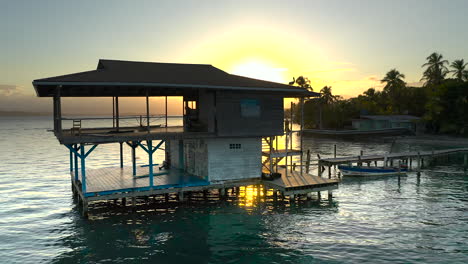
373,220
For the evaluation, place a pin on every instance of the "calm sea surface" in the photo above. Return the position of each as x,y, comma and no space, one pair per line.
373,221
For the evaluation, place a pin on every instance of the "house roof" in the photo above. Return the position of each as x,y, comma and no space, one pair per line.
129,78
391,117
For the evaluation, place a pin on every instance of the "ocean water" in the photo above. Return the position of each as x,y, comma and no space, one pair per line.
383,220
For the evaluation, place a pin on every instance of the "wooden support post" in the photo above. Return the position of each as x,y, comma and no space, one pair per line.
121,155
319,165
83,170
166,110
330,196
124,201
117,115
359,161
275,195
71,160
301,134
307,168
319,196
375,163
150,157
419,161
76,162
147,111
329,171
84,211
410,165
166,197
292,198
181,197
133,202
133,145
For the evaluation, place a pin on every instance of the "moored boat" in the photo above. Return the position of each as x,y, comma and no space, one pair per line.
371,171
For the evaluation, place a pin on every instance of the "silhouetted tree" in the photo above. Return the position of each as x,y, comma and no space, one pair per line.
303,82
436,70
394,85
459,69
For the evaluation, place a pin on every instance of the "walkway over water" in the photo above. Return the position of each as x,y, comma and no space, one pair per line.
390,156
296,183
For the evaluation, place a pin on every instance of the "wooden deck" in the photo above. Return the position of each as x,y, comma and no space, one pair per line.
105,181
295,183
125,134
381,157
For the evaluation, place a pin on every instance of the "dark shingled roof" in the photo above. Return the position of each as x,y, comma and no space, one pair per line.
128,78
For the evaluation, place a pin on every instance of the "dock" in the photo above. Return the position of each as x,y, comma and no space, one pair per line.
389,158
295,183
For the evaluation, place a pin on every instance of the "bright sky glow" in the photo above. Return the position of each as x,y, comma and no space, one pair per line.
349,45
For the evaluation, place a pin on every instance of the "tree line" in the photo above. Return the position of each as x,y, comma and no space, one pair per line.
442,101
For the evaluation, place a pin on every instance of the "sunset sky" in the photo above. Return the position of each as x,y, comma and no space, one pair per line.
349,45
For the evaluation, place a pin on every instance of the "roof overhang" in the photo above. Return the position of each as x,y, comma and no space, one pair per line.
106,89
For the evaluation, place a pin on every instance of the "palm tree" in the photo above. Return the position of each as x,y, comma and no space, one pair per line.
393,80
326,95
458,69
436,69
303,82
393,85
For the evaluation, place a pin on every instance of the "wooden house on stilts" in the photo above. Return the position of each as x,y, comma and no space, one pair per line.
229,136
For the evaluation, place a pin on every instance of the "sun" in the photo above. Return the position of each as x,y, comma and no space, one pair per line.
259,70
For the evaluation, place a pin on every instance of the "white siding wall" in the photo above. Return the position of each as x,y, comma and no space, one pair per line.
230,164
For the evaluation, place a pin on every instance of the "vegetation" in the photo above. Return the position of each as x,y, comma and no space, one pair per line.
442,102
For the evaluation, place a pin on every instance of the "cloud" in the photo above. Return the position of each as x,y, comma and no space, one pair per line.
8,90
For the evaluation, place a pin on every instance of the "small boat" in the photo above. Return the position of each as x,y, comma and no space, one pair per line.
372,171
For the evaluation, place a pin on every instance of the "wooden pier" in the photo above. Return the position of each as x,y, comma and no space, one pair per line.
296,183
388,159
390,156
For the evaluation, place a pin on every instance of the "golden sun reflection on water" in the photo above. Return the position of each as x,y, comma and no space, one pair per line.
250,196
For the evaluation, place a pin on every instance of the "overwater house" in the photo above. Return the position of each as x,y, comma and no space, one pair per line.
376,122
219,144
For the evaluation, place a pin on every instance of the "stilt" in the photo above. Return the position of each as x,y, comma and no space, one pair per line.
182,198
121,154
329,171
319,196
292,198
330,195
307,168
124,201
84,211
133,202
275,195
166,197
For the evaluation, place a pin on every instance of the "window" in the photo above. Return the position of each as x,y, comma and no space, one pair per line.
235,146
250,108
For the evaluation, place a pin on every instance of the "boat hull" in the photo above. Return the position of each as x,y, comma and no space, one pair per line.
359,171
